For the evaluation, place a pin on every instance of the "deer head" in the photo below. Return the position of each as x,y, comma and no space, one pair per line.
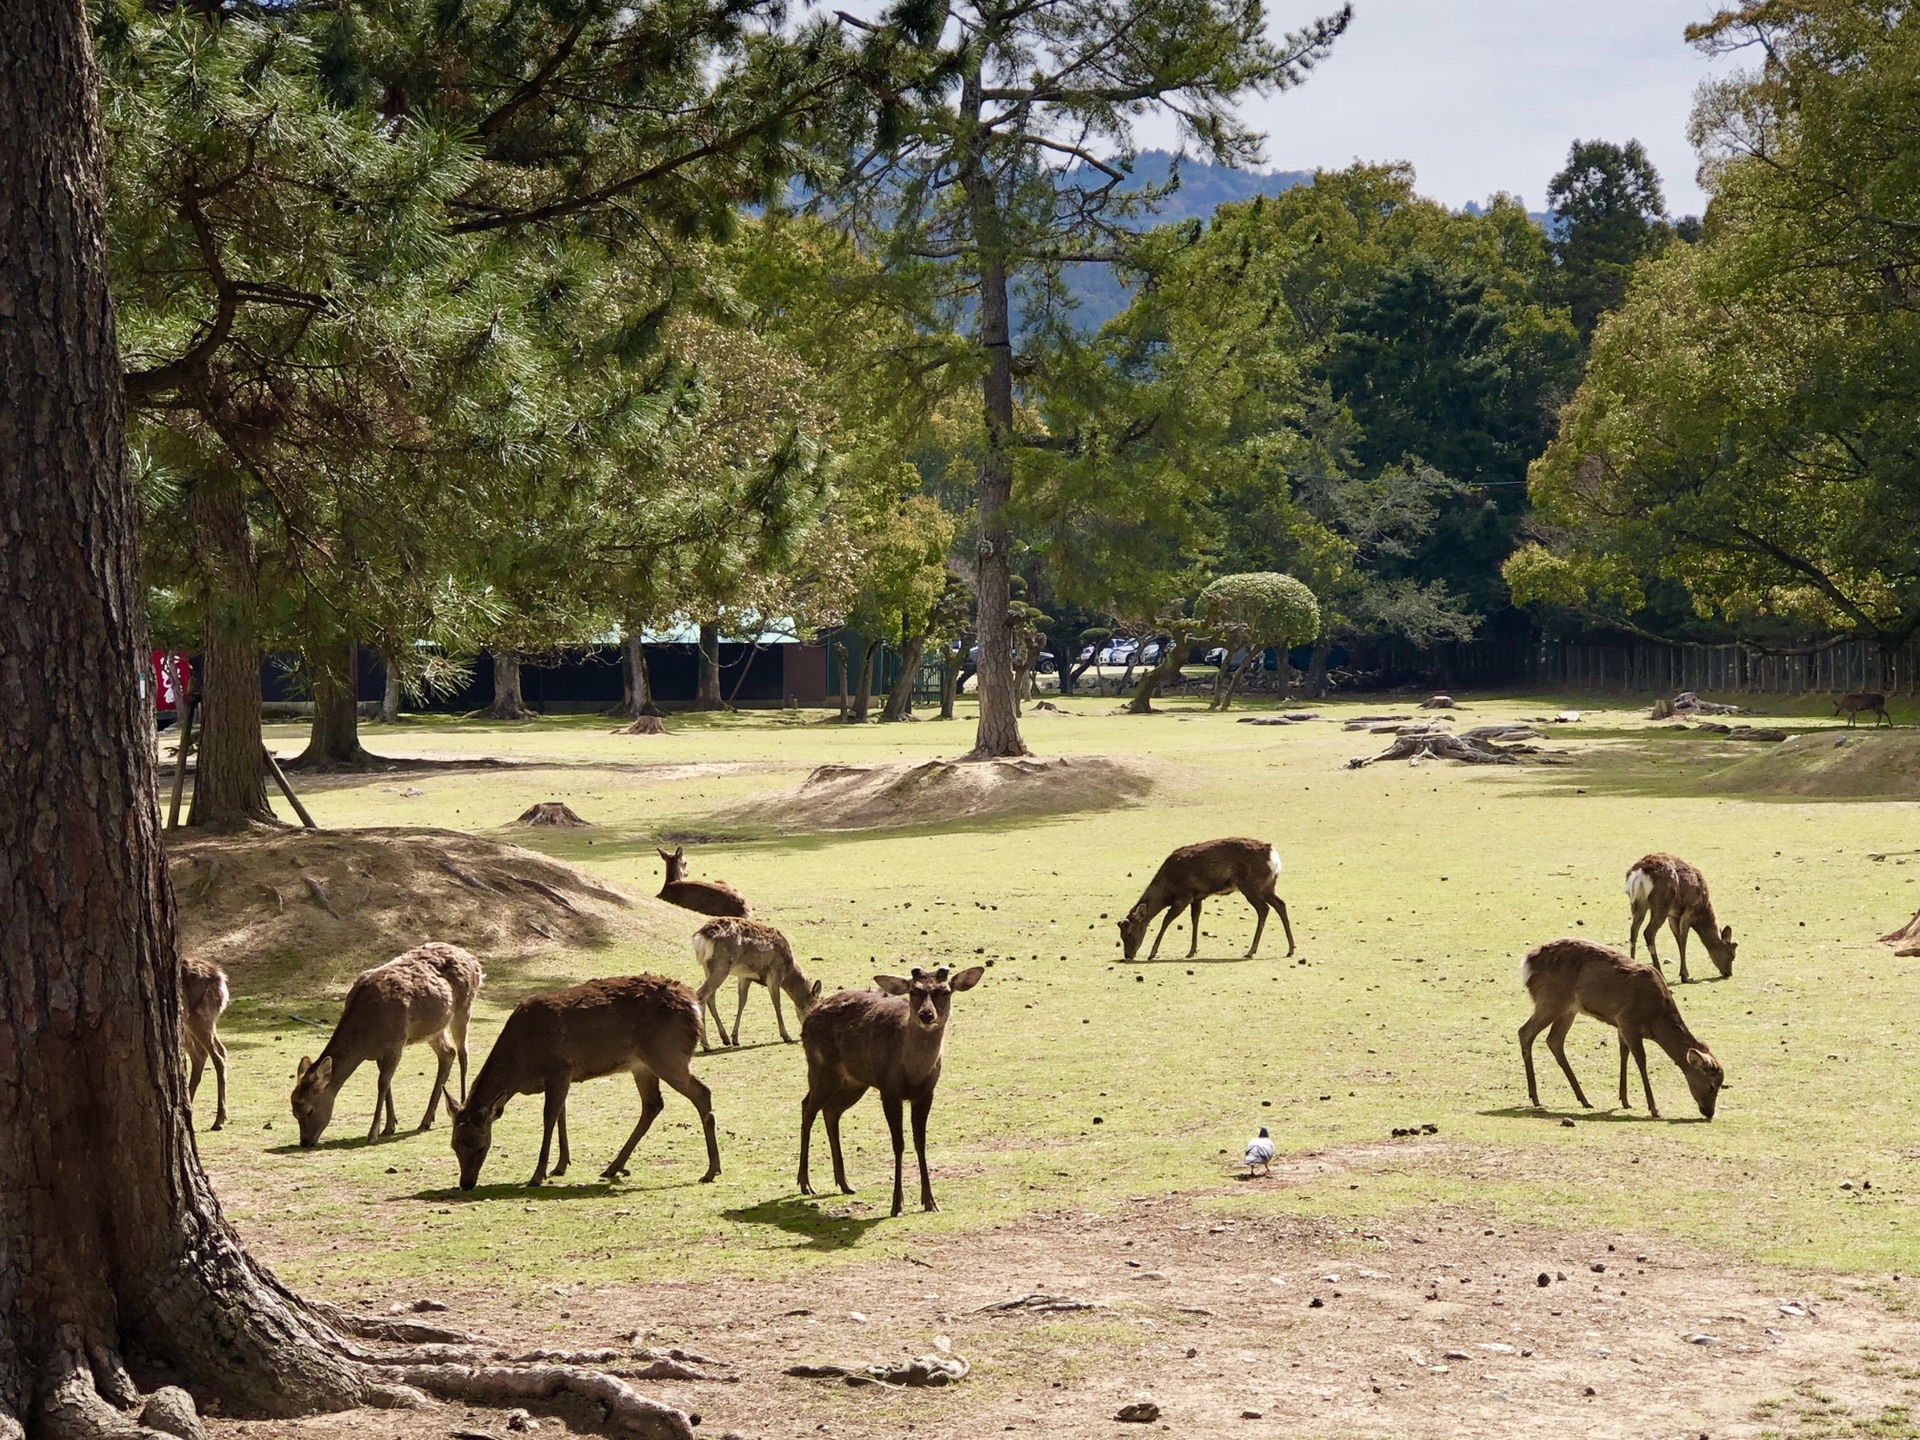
313,1093
472,1137
1705,1078
1133,929
929,997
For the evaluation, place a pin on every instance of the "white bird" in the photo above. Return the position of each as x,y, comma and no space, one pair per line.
1259,1153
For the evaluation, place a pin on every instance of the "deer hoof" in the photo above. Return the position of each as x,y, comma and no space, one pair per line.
536,1182
219,1124
709,1177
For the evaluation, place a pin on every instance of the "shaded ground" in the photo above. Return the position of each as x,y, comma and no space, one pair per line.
1435,1326
940,792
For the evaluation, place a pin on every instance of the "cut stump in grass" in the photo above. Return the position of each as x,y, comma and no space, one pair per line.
1905,940
643,725
555,813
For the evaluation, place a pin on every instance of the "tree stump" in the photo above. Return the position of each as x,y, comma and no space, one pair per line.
555,813
643,725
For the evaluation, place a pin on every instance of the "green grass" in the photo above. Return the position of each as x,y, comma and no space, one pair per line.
1414,892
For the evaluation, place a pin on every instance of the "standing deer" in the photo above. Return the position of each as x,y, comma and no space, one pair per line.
707,897
425,995
751,953
203,999
1192,873
890,1040
641,1025
1863,700
1664,889
1569,978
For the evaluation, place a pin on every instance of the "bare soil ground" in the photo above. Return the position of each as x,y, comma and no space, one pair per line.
361,896
940,792
1429,1326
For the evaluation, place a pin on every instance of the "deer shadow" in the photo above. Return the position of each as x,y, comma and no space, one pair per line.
550,1189
1609,1115
352,1142
1195,960
797,1215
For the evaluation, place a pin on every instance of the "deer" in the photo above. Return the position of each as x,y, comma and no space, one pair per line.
751,953
422,996
706,897
1192,873
203,999
1569,978
890,1040
641,1025
1664,889
1863,700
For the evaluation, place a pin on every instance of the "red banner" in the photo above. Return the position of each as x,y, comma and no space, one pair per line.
172,678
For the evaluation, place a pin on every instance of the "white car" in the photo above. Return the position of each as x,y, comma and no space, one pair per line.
1118,652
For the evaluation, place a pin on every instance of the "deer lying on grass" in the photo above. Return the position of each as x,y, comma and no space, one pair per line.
1192,873
1863,700
203,998
751,953
1664,889
641,1025
707,897
1569,978
889,1040
425,995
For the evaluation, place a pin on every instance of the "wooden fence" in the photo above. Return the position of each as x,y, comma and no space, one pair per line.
1655,668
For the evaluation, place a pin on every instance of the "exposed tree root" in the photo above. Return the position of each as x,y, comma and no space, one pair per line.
401,1332
552,812
585,1399
1438,745
643,725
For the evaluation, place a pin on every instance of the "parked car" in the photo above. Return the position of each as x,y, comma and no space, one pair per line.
1044,665
1118,652
1150,654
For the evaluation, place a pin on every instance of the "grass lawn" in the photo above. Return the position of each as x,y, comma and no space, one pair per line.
1076,1082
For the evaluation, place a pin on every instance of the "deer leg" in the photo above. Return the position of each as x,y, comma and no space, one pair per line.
922,1107
833,1113
383,1096
566,1155
1285,923
1633,929
443,1051
1163,932
808,1109
709,1004
741,1010
1680,927
556,1107
199,1059
648,1084
684,1080
1557,1043
1259,903
1193,929
1656,917
779,1018
1623,1072
891,1104
1640,1059
218,1050
1534,1025
458,1029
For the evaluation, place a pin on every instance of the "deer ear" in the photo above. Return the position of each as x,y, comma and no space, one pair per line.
1726,932
323,1071
892,984
679,852
967,978
302,1068
816,989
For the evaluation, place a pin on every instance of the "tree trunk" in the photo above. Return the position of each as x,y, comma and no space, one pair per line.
229,781
1164,669
334,742
708,695
900,698
1316,683
863,693
508,701
949,678
1224,697
998,732
637,688
840,659
390,693
129,1261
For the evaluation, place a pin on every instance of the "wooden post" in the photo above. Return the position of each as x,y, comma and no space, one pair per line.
280,776
180,762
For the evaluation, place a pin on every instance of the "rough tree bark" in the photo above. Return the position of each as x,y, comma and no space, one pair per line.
863,693
1315,687
229,782
998,731
707,697
1178,642
949,677
390,692
637,692
900,698
334,741
114,1271
508,702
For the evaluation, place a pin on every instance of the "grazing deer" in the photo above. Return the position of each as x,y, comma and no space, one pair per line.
641,1025
1192,873
1863,700
889,1040
751,953
1664,889
425,995
1569,978
203,998
707,897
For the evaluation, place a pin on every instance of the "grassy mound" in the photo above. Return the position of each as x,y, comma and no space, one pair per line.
1855,765
946,792
318,905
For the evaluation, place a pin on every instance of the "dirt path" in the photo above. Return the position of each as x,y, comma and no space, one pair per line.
1243,1327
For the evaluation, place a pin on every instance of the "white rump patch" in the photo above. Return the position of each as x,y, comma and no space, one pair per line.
1273,860
702,947
1639,886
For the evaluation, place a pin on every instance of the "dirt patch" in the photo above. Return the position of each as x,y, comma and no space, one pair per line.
1231,1325
1830,764
310,905
944,792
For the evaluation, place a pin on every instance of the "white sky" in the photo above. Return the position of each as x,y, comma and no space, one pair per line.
1486,95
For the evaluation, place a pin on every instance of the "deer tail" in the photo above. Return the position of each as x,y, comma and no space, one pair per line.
1273,862
1639,886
